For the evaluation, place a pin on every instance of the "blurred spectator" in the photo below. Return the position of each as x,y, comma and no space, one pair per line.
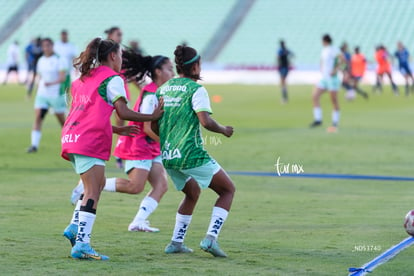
283,60
134,45
33,53
67,51
12,60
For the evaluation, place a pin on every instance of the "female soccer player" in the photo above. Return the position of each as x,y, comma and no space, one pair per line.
52,72
283,64
358,67
330,62
403,57
115,33
187,162
87,133
384,68
142,152
345,58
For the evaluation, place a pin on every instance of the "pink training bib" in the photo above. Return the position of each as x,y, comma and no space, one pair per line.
88,129
140,147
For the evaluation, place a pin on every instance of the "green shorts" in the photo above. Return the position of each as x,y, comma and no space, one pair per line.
82,163
65,86
141,164
58,104
202,175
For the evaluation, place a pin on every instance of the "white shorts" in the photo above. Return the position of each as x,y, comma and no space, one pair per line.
332,84
141,164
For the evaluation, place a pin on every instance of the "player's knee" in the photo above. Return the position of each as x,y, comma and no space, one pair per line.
161,186
43,113
136,188
193,194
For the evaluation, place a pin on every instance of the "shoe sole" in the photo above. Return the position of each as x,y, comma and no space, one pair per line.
88,257
142,230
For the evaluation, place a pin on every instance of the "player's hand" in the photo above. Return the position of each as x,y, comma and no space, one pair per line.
130,131
228,131
158,110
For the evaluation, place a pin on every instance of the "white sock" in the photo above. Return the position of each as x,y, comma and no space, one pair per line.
335,117
317,114
148,205
75,217
218,217
110,185
36,136
181,225
86,221
79,188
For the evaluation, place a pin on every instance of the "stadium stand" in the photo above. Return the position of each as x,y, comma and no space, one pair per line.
301,23
160,25
8,9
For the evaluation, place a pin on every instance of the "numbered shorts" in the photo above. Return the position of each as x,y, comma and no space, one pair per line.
202,175
83,163
58,104
141,164
330,84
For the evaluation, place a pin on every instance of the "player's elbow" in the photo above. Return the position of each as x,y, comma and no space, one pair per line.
122,114
207,124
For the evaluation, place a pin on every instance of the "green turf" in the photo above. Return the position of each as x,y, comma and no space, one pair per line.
278,226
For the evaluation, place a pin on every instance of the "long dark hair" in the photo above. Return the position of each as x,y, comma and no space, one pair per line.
185,58
135,65
96,51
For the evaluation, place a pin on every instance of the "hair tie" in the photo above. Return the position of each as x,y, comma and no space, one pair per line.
158,61
192,60
97,51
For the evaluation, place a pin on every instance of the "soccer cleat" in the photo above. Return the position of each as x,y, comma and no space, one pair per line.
32,149
76,193
212,246
177,247
315,124
70,233
84,251
142,226
332,129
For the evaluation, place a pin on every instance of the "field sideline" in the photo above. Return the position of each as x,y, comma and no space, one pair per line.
277,226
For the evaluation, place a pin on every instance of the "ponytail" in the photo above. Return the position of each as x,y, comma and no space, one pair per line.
135,65
96,51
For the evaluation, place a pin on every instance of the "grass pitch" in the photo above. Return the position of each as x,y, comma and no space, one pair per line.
277,226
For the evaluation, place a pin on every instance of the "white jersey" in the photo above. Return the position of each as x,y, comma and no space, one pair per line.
67,51
13,55
48,69
115,89
328,59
